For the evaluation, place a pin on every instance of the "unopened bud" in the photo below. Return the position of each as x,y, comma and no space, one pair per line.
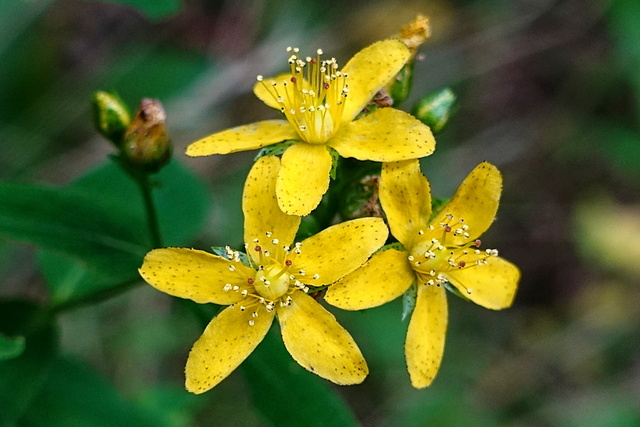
360,199
146,142
414,34
110,115
435,109
400,86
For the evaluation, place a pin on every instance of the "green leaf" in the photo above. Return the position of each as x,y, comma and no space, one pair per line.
11,347
288,395
22,377
182,202
75,395
78,224
173,405
156,9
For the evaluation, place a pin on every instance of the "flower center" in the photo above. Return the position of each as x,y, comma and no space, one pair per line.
272,281
313,96
432,257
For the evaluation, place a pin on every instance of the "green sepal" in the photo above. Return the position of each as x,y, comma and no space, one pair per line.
335,160
111,116
409,300
222,252
437,203
436,109
395,245
400,86
275,149
448,286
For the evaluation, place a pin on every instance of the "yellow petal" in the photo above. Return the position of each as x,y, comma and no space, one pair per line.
315,340
338,250
492,285
383,278
266,90
261,211
424,346
193,274
476,202
225,343
303,178
406,199
371,69
387,135
242,138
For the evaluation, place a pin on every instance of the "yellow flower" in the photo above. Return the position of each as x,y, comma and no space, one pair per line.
274,284
320,104
445,249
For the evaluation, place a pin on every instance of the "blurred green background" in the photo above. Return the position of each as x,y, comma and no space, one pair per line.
548,90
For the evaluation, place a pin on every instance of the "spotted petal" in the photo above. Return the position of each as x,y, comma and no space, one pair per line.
476,202
386,135
226,342
268,89
318,343
492,285
369,70
261,211
383,278
303,178
424,346
406,199
340,249
193,274
242,138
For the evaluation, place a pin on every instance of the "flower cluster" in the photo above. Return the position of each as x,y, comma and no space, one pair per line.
324,114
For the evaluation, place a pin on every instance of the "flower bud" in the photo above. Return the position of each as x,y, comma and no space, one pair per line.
414,34
146,142
400,86
435,109
110,116
360,199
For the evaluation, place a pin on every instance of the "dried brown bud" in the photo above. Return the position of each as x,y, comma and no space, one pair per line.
146,142
415,32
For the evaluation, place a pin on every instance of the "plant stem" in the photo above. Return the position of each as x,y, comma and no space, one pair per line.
93,298
146,188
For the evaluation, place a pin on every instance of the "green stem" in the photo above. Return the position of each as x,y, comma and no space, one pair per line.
146,188
93,298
